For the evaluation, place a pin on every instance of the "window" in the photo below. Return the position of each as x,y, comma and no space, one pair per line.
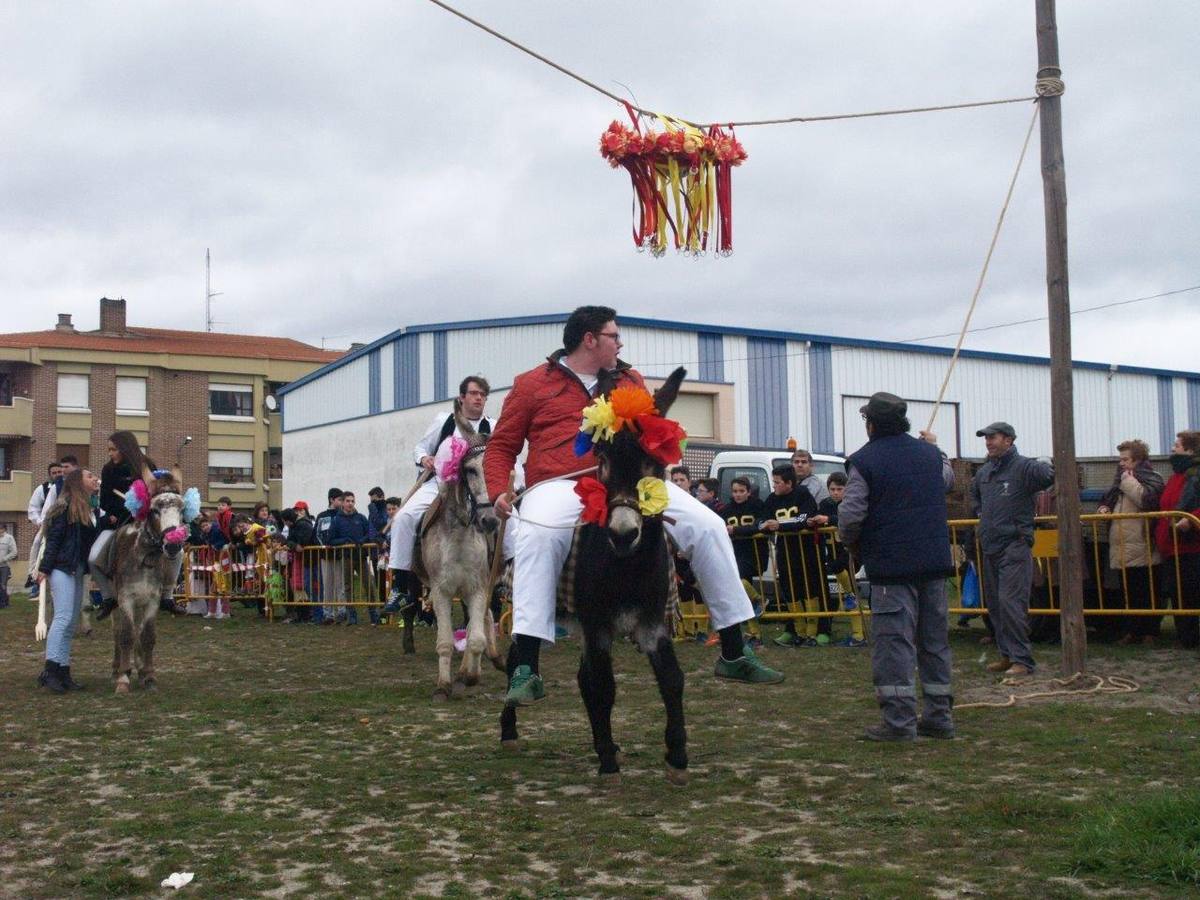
231,400
5,460
230,466
73,393
6,396
696,413
131,395
81,452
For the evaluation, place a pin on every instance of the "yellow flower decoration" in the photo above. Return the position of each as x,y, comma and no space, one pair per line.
599,420
652,496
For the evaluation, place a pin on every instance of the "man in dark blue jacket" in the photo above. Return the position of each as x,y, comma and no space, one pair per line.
894,511
350,528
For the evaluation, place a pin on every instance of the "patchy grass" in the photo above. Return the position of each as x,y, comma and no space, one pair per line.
1155,837
297,760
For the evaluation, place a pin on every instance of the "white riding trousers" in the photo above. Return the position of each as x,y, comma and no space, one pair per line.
542,552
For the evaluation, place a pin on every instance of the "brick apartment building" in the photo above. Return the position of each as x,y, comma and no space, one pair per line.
65,391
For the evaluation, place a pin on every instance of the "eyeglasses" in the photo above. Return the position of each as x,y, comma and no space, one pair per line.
615,335
476,394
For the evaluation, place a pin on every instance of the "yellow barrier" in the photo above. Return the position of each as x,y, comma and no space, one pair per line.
804,593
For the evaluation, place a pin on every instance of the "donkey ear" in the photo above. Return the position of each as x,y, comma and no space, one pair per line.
465,427
177,474
147,476
665,396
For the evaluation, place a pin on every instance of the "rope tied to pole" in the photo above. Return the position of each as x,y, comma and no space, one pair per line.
1050,86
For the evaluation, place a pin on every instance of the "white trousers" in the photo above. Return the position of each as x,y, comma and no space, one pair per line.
405,523
408,519
542,552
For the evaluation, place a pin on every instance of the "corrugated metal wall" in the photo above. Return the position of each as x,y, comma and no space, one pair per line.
782,388
342,393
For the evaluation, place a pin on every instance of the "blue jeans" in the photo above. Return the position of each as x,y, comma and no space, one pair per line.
67,591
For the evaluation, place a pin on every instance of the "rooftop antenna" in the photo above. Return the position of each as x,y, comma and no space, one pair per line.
209,293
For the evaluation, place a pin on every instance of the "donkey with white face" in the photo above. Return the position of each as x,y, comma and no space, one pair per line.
453,559
143,559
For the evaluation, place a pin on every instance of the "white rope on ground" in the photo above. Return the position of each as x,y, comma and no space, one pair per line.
987,260
1111,684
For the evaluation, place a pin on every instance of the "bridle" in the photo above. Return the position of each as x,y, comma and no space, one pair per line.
472,503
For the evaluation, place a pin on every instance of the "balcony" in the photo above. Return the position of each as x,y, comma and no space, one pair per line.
15,491
16,419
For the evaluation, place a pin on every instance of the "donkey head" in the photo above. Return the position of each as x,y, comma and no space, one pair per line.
622,463
472,489
164,527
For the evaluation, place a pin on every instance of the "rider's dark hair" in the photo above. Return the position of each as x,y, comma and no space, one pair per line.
478,379
585,320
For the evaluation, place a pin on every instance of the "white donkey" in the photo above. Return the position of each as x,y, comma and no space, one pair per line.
452,558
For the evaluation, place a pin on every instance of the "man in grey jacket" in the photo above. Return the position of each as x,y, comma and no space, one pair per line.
1002,497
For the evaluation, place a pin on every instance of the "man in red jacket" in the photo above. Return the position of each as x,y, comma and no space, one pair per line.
545,408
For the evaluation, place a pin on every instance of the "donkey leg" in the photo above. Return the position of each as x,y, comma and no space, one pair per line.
670,684
145,648
123,648
492,648
476,640
445,644
599,690
410,618
508,717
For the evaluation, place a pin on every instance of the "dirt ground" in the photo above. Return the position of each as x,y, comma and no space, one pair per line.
282,760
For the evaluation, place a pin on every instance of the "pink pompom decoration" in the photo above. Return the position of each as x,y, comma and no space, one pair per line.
176,535
448,468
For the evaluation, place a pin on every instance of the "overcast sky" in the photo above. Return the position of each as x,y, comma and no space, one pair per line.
356,167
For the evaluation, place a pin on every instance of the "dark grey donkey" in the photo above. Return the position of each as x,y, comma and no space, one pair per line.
622,584
142,560
453,559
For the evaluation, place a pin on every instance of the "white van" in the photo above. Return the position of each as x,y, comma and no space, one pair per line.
757,465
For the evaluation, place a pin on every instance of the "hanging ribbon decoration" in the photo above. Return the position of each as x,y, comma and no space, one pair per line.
685,165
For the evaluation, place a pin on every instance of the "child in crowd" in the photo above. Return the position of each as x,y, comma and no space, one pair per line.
791,515
743,517
838,560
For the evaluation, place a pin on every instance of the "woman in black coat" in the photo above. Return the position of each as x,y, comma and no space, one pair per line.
70,530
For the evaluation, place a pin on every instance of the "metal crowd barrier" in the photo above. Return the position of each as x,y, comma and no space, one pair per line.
797,584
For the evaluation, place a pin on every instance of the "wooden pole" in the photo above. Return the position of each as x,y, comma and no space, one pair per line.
1054,190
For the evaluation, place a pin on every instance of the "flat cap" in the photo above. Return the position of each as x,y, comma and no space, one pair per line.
883,406
997,428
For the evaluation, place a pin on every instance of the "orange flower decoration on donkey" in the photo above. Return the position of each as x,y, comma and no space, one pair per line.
629,402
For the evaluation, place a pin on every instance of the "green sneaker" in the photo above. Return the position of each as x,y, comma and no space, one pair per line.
784,639
524,688
748,668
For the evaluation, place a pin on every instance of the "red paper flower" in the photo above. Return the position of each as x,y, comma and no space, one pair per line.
662,438
595,500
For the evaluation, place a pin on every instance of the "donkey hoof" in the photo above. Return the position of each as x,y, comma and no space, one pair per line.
498,663
409,650
511,745
458,690
441,694
149,684
122,687
677,776
610,780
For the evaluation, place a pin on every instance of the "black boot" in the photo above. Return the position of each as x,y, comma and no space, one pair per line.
64,675
51,678
104,610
